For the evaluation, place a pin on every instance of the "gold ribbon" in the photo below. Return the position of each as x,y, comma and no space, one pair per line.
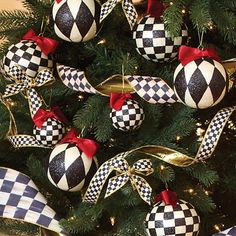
125,173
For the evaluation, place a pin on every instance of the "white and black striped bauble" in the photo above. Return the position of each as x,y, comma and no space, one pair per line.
51,132
76,20
28,56
201,83
129,117
164,220
70,169
154,43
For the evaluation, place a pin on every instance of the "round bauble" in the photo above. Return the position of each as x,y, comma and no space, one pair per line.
129,117
70,169
154,43
51,132
201,83
76,20
164,220
28,56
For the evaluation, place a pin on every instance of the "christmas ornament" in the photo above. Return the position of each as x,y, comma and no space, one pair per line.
200,81
125,173
126,114
154,42
227,232
21,200
166,219
27,85
30,54
127,7
49,126
72,163
76,21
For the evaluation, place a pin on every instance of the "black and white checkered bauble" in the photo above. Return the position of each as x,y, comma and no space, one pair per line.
50,133
164,220
28,56
129,117
201,83
76,20
154,43
69,168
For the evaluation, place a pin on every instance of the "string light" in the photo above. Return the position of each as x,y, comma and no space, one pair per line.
178,138
112,220
10,102
200,131
206,192
81,97
190,190
102,41
171,3
183,11
162,167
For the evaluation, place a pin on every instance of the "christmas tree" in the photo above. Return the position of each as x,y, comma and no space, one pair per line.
133,132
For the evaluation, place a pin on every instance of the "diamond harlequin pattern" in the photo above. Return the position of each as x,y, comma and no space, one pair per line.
129,117
201,83
154,43
50,133
28,56
21,200
69,169
164,220
76,20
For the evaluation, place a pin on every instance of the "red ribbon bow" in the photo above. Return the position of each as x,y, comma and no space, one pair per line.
58,1
47,45
169,197
188,54
88,146
117,100
155,8
42,115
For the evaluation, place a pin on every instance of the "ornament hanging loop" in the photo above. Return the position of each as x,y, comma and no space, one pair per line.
44,23
200,37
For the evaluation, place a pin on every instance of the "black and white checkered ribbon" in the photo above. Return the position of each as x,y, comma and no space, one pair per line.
151,89
23,140
227,232
21,200
124,174
26,84
128,8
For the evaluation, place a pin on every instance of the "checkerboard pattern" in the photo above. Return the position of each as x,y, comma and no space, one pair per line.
213,133
164,220
129,117
51,132
98,180
19,141
75,79
21,200
76,21
128,8
152,89
201,83
227,232
154,43
28,56
130,12
35,101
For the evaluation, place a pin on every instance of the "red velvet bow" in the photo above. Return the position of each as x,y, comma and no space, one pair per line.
169,197
88,146
42,115
188,54
117,100
47,45
155,8
58,1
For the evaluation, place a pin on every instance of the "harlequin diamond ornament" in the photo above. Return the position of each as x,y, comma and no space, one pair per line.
28,56
200,83
72,164
154,42
126,114
76,20
168,220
